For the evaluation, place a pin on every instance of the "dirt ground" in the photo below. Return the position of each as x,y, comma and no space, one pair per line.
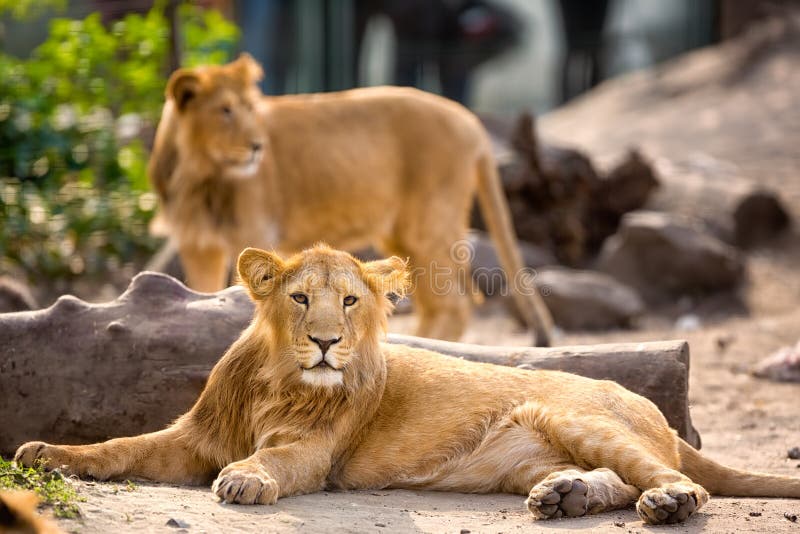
744,422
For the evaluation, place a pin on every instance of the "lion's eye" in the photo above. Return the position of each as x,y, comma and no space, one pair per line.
226,110
300,298
349,300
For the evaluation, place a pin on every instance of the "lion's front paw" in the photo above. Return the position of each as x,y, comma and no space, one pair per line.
561,496
51,456
245,484
71,460
671,503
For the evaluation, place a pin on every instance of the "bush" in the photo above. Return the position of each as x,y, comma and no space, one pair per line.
74,121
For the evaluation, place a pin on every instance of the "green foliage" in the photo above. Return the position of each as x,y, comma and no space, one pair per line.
28,9
51,486
74,118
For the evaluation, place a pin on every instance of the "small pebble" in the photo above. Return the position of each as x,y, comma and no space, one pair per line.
619,524
754,514
794,453
177,523
790,517
464,531
380,525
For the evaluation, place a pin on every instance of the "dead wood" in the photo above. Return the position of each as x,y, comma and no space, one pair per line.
78,372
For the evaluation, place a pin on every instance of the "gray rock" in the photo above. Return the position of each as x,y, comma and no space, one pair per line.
177,523
588,300
486,271
664,256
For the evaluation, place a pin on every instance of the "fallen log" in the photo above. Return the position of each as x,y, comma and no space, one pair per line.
78,372
739,211
547,187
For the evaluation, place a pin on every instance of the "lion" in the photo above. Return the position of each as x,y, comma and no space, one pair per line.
309,398
18,514
389,167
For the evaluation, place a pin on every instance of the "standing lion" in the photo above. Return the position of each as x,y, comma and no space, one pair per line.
395,168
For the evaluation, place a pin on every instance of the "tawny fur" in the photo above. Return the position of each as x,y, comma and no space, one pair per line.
395,168
399,417
18,514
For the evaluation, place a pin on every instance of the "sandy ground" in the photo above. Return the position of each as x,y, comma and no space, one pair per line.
744,422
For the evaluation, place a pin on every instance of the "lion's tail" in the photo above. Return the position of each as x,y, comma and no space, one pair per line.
727,481
497,216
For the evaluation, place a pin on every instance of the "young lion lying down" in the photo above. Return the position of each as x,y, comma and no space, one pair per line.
308,398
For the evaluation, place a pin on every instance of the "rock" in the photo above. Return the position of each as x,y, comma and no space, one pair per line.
78,372
487,274
664,256
177,523
588,300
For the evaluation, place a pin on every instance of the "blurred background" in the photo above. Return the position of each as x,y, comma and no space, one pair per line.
82,87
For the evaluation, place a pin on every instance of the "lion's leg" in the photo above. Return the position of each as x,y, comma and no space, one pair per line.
206,268
440,286
159,456
668,496
274,472
441,315
574,492
648,462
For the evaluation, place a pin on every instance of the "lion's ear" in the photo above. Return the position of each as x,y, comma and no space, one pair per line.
248,68
182,87
257,270
390,277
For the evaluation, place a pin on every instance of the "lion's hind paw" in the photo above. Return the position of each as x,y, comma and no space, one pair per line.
672,503
562,496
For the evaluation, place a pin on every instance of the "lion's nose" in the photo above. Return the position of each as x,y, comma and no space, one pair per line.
325,344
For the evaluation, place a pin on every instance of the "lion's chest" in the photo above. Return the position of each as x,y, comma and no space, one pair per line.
223,216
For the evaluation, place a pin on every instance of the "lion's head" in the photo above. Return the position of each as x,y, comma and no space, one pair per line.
211,123
323,309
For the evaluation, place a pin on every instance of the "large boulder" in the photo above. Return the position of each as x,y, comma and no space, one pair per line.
664,255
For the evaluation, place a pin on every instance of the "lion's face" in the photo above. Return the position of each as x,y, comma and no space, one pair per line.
218,112
321,305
